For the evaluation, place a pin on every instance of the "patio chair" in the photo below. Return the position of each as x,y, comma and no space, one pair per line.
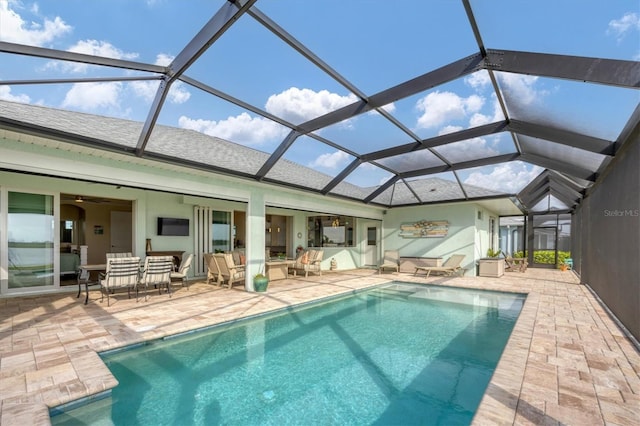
157,272
118,255
449,267
122,272
391,260
213,272
229,271
515,264
183,270
309,261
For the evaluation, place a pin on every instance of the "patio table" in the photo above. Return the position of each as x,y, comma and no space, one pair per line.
101,267
278,269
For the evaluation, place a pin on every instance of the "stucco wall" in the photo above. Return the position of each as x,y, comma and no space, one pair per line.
168,191
609,220
467,235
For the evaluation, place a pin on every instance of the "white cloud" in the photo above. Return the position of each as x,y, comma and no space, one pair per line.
439,107
619,28
478,80
331,161
101,48
478,119
242,128
300,105
294,105
449,129
520,87
510,177
5,93
145,89
15,30
90,47
91,96
467,150
389,107
178,93
164,59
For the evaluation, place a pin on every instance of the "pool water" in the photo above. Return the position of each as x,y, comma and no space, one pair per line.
399,354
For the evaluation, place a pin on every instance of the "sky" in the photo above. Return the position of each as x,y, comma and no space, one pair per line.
374,44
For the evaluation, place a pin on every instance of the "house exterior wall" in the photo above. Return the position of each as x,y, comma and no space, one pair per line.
467,235
483,237
609,221
156,189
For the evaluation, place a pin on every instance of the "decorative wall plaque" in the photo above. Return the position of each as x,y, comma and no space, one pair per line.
425,229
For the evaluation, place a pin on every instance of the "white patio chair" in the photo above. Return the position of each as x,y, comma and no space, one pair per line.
122,272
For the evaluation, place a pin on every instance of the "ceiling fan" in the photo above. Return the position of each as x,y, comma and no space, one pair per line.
79,199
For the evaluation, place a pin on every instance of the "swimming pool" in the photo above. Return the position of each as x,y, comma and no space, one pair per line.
398,354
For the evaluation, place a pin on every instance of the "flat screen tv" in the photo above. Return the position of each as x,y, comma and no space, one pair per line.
172,226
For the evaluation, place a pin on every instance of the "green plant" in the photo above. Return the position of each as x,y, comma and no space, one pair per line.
260,282
493,253
547,257
260,275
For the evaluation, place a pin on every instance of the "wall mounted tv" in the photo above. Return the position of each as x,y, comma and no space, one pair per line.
172,226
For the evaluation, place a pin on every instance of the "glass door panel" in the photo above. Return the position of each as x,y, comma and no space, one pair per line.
544,246
221,231
30,238
371,252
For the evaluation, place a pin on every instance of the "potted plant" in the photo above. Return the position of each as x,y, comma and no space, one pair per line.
260,282
492,265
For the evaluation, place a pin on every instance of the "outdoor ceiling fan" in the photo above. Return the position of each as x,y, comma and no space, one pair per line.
79,199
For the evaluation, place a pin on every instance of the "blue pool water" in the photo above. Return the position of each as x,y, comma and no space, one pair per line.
400,354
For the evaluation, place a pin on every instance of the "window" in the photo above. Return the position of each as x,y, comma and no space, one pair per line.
330,231
31,237
66,231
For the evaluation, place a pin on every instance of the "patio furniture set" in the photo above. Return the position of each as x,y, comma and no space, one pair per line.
392,260
229,268
122,270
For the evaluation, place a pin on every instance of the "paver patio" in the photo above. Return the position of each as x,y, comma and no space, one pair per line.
567,362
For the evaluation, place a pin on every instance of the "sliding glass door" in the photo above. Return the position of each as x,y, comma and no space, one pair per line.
30,241
220,231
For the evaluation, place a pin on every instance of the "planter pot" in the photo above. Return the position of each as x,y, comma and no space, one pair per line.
260,284
491,267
